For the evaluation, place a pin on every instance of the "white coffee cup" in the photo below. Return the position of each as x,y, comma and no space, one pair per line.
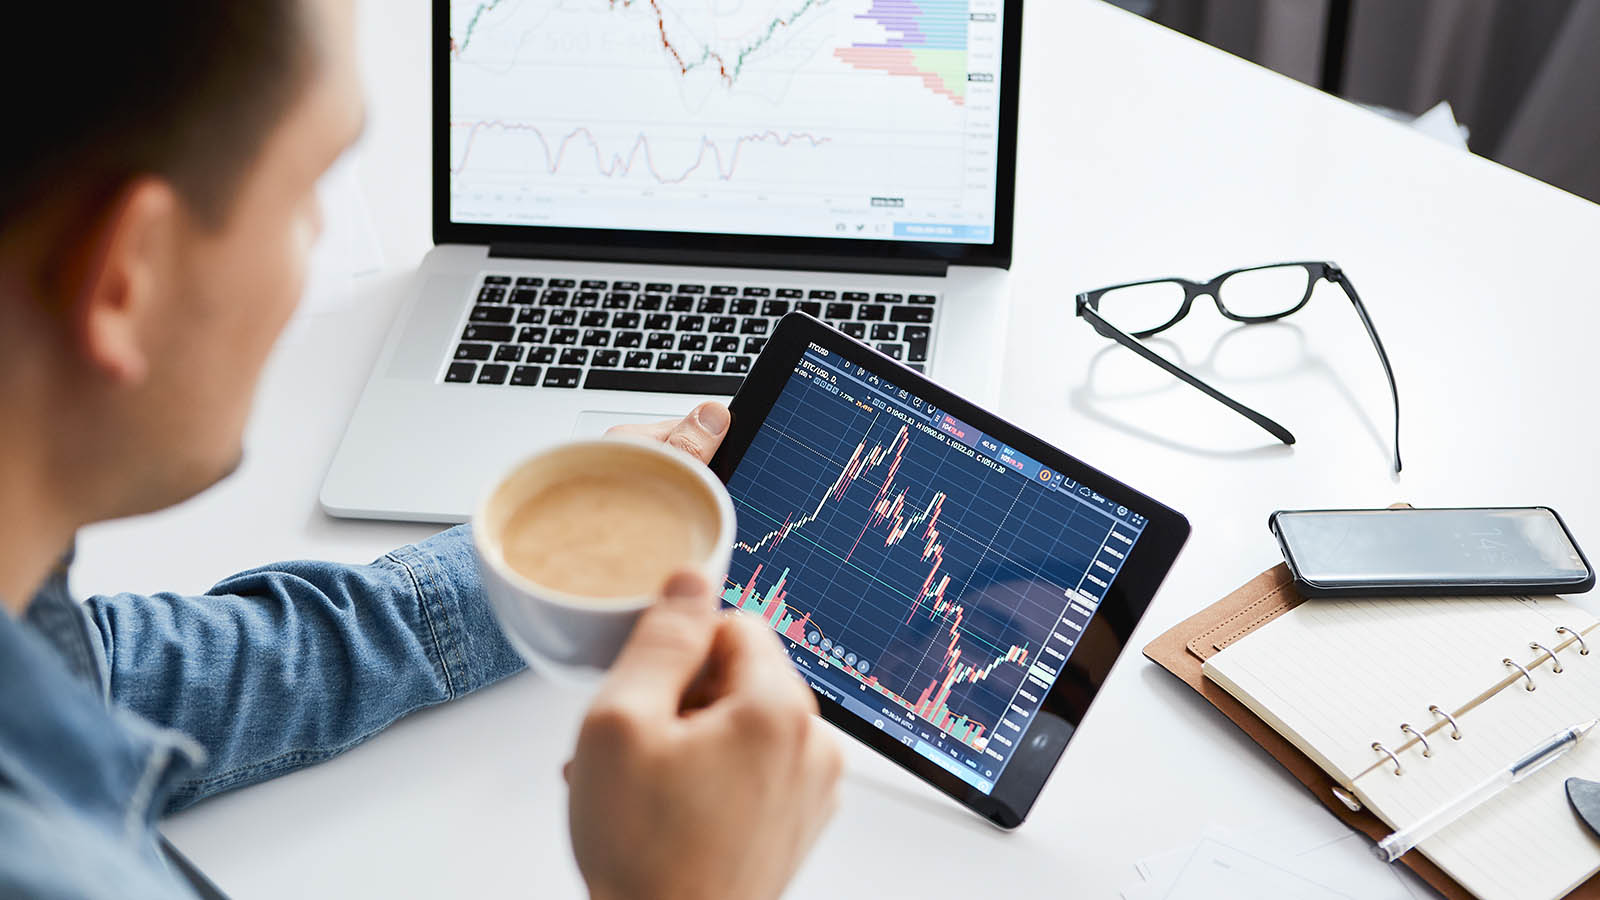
568,633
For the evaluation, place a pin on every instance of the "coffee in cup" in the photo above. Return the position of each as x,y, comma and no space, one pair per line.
577,540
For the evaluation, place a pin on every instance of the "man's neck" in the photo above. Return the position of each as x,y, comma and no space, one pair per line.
34,529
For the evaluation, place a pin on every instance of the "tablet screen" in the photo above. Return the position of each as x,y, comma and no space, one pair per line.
925,576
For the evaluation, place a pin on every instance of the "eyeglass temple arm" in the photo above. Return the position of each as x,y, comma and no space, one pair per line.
1361,310
1126,340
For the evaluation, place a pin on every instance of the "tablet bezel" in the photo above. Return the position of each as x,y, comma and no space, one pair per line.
1042,744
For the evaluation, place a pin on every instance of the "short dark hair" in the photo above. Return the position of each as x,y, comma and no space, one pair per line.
104,92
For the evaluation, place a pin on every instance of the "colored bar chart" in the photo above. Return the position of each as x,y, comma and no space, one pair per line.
927,40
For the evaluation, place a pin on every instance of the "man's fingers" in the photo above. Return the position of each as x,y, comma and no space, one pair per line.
653,431
700,433
665,652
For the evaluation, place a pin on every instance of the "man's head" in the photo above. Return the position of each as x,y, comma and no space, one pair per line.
156,211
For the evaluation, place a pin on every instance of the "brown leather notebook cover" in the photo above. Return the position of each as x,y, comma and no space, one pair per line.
1185,648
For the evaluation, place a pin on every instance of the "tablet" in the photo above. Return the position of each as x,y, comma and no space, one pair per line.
953,589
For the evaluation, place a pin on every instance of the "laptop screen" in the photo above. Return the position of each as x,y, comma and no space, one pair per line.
861,119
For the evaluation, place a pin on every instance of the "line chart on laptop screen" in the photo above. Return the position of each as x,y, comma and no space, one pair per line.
874,119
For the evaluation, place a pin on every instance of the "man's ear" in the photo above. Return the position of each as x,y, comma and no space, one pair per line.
118,279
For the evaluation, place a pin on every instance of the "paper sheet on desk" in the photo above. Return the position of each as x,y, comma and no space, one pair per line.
348,247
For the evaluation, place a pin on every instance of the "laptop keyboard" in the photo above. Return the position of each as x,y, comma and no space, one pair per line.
657,336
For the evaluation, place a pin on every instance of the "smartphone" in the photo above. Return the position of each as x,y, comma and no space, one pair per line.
1421,552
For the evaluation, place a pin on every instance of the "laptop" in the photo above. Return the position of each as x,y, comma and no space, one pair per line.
628,194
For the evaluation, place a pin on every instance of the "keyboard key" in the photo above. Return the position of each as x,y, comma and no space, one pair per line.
617,300
871,312
692,342
563,283
530,315
810,308
774,307
524,296
886,332
508,353
923,298
722,325
525,376
918,367
790,293
528,281
921,315
542,355
625,286
649,302
711,305
493,373
533,335
755,344
574,356
743,306
461,372
823,295
691,323
586,299
562,378
736,364
563,317
757,292
553,298
626,320
638,359
659,340
664,382
627,339
691,289
856,295
607,359
658,321
500,314
840,311
491,294
497,333
595,318
659,287
893,351
723,290
857,330
725,344
473,351
596,337
671,362
700,362
889,298
680,303
564,336
755,326
593,284
497,279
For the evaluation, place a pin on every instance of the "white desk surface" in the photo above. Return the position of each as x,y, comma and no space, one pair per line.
1141,154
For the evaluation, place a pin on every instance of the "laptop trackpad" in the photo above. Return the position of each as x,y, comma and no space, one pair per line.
593,422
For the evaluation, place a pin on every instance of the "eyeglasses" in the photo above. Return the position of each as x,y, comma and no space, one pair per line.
1267,293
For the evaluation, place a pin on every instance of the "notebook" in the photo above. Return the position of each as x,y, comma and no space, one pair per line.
1337,677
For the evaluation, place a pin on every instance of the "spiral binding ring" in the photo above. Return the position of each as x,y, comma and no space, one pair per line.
1426,749
1555,664
1389,753
1455,730
1525,673
1583,649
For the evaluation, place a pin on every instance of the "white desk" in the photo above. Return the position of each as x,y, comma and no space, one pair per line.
1142,154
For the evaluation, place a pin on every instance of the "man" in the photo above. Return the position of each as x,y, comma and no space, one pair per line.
155,219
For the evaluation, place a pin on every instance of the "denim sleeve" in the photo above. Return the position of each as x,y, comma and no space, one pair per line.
287,665
46,853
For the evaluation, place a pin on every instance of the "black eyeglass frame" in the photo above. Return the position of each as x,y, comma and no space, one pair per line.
1088,308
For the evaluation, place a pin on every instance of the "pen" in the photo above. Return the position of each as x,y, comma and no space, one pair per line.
1395,845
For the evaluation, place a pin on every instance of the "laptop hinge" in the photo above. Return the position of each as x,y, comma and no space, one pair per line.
730,258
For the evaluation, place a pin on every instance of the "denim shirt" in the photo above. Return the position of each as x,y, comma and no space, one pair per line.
120,709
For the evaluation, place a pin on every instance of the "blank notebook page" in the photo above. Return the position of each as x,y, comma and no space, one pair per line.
1336,676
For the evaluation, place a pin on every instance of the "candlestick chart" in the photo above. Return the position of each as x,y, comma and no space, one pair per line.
906,571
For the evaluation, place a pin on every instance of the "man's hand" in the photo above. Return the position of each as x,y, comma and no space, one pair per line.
701,771
699,433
